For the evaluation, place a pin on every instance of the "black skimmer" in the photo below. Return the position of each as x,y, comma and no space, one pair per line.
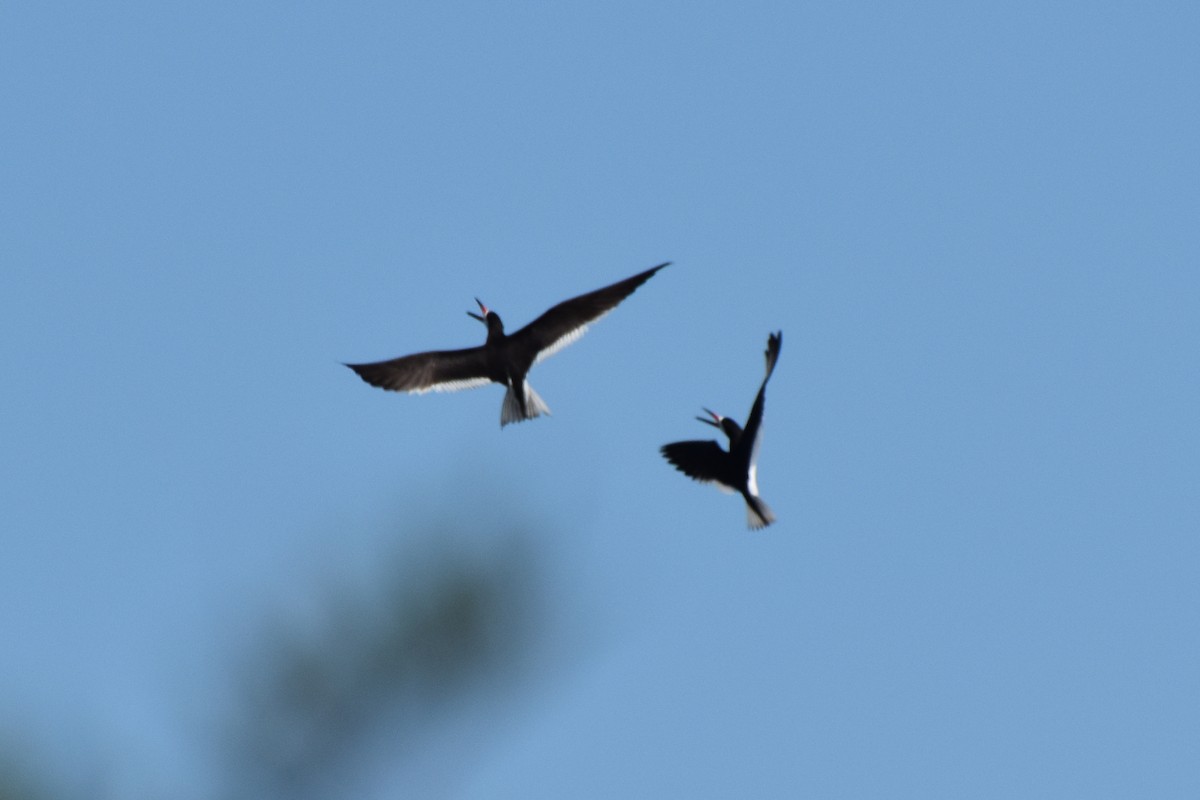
735,470
503,358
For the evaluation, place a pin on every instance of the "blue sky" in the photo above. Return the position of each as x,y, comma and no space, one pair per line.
975,225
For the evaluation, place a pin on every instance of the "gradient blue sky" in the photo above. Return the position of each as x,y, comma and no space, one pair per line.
976,225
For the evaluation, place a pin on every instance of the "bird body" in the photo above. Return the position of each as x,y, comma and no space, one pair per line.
503,358
735,469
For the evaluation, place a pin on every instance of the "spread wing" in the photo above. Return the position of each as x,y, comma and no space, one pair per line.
434,371
704,461
753,431
567,321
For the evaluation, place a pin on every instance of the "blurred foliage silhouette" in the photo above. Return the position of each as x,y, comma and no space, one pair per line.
16,785
21,777
371,668
317,703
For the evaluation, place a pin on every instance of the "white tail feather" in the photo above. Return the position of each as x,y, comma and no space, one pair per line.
510,410
758,513
534,403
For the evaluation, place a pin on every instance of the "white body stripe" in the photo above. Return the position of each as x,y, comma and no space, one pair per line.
753,478
570,337
452,386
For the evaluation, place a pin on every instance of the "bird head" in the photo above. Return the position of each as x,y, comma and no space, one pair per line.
725,424
490,318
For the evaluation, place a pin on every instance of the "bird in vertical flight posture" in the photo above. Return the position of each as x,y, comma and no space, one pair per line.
503,358
735,470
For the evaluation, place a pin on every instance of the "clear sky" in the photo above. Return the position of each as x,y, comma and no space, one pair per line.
976,225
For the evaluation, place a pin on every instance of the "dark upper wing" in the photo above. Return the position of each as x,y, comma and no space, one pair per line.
437,371
703,461
754,421
567,321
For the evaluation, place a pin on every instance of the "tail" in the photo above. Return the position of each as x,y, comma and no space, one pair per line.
758,513
513,410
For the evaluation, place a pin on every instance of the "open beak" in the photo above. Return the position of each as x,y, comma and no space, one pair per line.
482,308
715,421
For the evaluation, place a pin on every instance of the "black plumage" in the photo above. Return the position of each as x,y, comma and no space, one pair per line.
735,469
504,358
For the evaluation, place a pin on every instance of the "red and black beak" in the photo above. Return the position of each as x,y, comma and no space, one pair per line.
482,308
715,421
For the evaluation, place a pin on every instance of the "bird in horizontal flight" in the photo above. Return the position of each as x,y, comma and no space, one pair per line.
736,469
503,358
